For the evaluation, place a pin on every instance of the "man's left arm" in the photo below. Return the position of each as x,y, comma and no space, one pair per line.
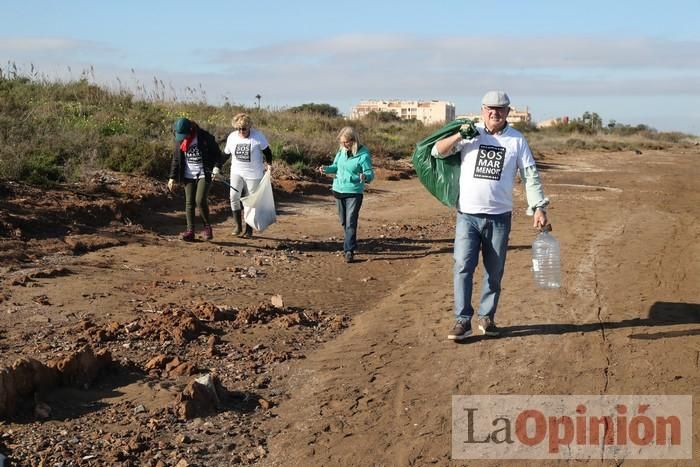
536,200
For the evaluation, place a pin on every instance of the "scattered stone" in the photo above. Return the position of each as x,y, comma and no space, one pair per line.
277,301
264,403
81,244
41,300
158,362
22,280
81,368
211,346
42,410
211,312
52,272
176,324
132,327
201,397
183,369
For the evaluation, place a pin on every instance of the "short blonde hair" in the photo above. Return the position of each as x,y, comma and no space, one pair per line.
241,120
348,133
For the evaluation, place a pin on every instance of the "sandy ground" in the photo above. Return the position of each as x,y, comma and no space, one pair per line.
351,366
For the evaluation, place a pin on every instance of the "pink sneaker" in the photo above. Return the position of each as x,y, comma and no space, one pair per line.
187,236
207,233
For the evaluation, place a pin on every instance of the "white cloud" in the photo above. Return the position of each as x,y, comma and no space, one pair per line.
33,44
450,51
343,69
34,48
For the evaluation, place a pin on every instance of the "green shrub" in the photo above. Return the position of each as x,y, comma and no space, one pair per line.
41,169
115,126
300,166
292,155
326,110
382,116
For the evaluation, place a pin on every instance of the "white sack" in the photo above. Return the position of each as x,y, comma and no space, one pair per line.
260,205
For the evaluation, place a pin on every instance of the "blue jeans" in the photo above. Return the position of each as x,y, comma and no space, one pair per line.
348,212
487,233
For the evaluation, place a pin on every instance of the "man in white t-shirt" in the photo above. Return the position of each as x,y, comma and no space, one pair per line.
250,157
489,162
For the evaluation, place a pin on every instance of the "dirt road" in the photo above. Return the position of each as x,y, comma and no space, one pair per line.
626,321
377,392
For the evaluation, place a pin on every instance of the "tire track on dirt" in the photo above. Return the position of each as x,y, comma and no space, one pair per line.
587,278
387,344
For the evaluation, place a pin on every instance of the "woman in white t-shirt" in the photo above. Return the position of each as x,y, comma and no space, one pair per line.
246,146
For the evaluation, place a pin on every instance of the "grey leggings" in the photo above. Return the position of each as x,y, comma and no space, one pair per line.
245,186
196,192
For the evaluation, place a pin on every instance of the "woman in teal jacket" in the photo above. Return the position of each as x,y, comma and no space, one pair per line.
352,167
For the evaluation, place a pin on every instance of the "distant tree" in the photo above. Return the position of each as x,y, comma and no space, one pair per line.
592,120
258,97
326,110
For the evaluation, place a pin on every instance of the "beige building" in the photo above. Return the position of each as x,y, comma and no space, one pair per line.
553,122
515,116
519,116
426,111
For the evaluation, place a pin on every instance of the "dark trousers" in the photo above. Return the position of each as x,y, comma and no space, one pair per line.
196,192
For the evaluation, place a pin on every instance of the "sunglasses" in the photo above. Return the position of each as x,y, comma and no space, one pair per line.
495,109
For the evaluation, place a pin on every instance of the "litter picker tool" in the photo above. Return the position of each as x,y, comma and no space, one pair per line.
227,184
219,178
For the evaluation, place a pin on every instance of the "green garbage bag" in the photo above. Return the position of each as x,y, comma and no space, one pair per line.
441,175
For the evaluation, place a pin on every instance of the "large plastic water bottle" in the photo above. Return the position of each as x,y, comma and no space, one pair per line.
545,260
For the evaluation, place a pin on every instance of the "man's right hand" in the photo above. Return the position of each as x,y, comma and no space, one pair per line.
468,131
171,182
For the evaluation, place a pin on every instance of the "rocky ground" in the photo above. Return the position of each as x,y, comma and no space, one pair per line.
122,345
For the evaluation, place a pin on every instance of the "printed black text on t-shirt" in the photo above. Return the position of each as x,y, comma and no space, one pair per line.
489,162
193,155
242,152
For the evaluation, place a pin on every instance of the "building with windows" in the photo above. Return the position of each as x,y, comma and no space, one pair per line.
515,116
519,116
427,112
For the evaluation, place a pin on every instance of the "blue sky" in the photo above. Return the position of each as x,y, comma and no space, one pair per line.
629,61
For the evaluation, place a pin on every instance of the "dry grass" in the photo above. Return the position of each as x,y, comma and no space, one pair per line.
54,132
